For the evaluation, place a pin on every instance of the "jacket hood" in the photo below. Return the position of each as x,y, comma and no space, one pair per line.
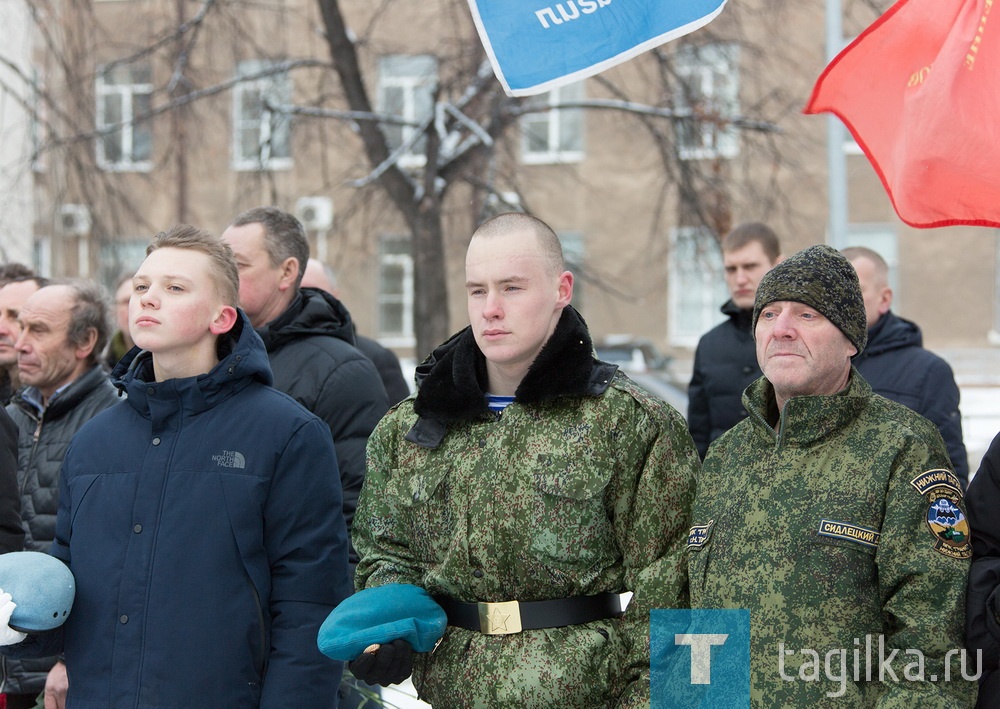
741,317
242,359
313,312
892,332
452,381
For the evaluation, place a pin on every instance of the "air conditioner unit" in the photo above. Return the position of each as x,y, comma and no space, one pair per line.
74,219
315,213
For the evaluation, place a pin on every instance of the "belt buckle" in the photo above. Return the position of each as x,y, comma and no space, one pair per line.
499,618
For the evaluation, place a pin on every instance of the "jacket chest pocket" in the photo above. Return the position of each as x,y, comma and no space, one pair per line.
843,557
573,527
426,509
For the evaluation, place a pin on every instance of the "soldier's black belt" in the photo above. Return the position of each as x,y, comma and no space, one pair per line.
514,616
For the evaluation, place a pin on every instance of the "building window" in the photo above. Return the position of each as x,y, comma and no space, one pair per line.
41,255
707,100
555,134
696,285
406,91
262,137
119,257
395,292
124,93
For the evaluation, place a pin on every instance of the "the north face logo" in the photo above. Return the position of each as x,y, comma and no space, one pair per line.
230,459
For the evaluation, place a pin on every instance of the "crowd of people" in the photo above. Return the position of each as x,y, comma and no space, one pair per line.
233,461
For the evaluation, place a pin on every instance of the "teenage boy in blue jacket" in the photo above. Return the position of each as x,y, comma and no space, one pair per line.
199,516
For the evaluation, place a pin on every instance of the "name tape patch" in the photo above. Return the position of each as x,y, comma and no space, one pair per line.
848,531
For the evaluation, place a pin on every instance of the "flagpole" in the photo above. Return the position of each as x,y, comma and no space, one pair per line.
836,160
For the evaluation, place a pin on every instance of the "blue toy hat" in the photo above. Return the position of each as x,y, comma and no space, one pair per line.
380,615
42,587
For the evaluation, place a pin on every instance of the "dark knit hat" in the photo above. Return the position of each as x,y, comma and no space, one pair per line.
822,278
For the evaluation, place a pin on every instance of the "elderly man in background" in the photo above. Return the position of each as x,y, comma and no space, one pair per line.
896,364
64,328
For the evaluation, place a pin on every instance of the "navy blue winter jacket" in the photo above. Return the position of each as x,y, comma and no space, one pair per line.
202,521
897,366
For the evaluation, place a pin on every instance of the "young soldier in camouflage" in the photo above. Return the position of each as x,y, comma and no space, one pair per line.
832,514
531,517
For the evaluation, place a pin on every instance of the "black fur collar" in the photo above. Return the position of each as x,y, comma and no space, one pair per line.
452,380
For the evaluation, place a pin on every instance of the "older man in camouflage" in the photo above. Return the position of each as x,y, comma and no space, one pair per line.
832,514
526,485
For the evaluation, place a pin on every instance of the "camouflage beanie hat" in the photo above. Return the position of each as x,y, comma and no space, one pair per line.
822,278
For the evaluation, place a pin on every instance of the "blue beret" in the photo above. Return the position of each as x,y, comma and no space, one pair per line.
382,614
42,587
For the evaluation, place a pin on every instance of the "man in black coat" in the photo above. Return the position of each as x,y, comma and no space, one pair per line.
725,362
310,343
982,619
896,364
309,338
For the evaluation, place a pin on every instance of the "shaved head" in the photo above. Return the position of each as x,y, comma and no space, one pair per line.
510,222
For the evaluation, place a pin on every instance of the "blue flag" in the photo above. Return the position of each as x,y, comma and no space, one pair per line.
537,46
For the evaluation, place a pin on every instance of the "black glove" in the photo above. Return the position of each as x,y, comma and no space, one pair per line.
390,664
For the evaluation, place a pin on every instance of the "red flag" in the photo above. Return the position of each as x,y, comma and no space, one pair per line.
920,92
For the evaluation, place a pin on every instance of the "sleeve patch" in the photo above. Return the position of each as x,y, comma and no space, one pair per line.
948,524
940,477
699,534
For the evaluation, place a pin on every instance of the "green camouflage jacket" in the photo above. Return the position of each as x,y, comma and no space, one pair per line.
581,486
842,529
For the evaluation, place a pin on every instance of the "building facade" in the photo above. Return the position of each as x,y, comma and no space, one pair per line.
166,111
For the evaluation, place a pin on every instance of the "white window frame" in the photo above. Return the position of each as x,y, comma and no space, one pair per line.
279,86
709,284
41,255
712,72
555,120
412,85
126,93
118,256
404,261
851,146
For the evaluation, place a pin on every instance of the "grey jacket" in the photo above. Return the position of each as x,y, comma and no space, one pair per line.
43,438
